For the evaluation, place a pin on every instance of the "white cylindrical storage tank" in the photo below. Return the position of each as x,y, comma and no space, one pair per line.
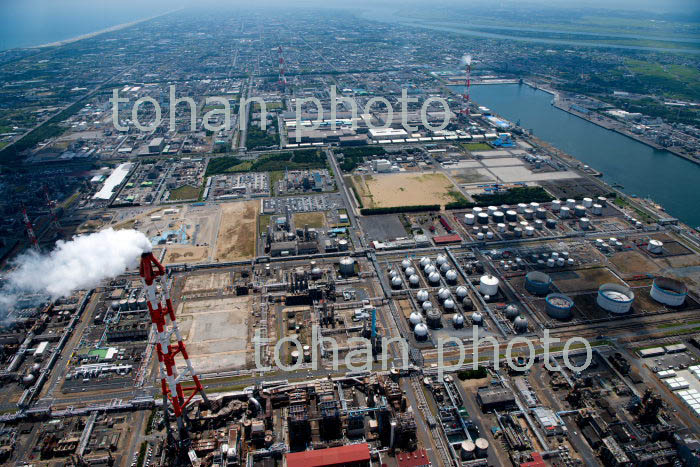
405,264
584,223
570,203
529,214
511,216
480,236
587,202
458,321
499,217
491,210
392,273
556,205
655,246
421,332
522,207
561,261
541,213
615,298
551,262
482,218
529,231
539,224
415,318
603,201
488,285
469,219
396,282
534,206
489,235
347,266
501,227
427,306
132,304
597,209
343,245
295,356
579,210
518,231
477,210
422,295
413,280
449,305
451,276
565,212
669,291
434,278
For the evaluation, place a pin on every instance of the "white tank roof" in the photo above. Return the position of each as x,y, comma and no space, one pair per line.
421,330
462,291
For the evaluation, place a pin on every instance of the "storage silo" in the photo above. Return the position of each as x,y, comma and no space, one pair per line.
434,278
477,318
520,324
655,246
488,285
570,203
522,207
559,306
556,205
615,298
451,276
469,219
421,332
482,447
422,295
415,319
347,266
537,283
565,212
587,202
669,291
432,318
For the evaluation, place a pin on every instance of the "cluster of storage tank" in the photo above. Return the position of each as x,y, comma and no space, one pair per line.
433,271
135,302
554,259
611,244
519,321
477,449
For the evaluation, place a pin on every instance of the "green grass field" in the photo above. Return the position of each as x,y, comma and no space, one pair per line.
184,193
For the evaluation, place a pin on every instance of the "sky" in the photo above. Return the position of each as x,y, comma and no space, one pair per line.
25,23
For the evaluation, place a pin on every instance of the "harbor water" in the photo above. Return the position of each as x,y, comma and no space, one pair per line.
670,180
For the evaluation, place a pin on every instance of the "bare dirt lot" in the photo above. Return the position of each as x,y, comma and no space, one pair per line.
583,279
185,254
206,282
236,239
633,262
216,332
403,189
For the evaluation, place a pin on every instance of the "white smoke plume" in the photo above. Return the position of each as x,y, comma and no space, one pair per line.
467,60
80,263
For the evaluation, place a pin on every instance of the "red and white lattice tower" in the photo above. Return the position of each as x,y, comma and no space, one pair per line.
467,59
52,210
282,78
160,307
30,229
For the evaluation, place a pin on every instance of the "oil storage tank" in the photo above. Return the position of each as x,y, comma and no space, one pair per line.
488,285
421,332
347,266
558,306
669,291
537,283
432,318
615,298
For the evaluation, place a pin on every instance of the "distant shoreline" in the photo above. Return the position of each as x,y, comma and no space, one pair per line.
97,33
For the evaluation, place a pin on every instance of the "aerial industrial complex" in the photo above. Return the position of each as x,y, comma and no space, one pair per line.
307,292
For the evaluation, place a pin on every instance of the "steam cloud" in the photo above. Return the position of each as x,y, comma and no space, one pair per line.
80,263
467,60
